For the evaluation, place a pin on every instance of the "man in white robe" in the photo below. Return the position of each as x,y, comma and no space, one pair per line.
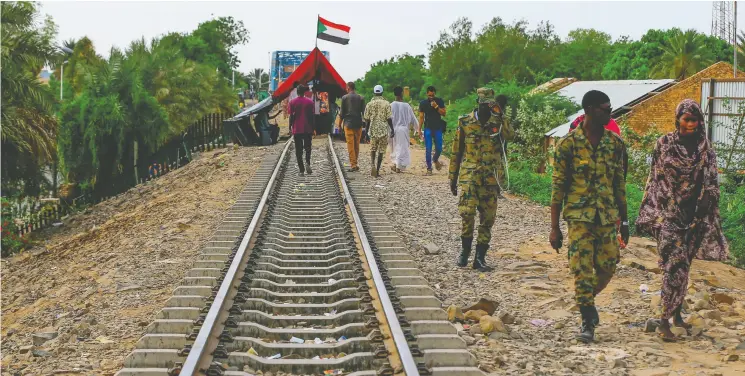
403,120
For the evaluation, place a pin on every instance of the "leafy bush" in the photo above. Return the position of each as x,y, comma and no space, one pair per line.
640,149
732,211
11,241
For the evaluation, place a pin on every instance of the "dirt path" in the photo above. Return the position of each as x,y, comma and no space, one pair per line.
101,278
532,282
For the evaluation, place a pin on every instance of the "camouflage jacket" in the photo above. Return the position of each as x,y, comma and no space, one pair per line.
589,182
477,156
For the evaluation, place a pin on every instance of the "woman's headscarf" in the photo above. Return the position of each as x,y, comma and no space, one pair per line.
676,187
690,106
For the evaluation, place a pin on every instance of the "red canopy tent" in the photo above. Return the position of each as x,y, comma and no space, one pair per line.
314,68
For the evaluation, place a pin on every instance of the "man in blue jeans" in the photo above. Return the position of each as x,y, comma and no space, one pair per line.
431,111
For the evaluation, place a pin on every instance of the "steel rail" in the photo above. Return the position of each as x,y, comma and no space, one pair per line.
407,360
199,347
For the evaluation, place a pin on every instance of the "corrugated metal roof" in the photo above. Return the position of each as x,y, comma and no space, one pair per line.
620,92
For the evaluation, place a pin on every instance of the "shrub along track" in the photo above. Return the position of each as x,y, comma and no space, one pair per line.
304,276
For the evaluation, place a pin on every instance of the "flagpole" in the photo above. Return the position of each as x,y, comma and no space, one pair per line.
318,19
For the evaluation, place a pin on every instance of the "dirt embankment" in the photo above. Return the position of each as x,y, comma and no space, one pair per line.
100,279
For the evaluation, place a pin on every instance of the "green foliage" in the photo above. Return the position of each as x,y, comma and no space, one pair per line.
732,211
573,61
683,55
11,241
28,124
640,149
536,115
404,70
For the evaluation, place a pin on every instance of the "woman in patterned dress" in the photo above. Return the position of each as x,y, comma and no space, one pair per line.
681,208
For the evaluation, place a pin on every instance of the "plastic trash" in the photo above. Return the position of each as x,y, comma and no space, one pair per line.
253,352
643,288
316,357
342,338
292,235
541,323
331,281
318,341
275,356
296,340
333,372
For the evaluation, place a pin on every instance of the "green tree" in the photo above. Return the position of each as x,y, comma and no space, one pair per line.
584,54
682,56
403,70
456,60
28,124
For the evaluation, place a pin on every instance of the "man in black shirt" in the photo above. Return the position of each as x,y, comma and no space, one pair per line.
352,109
431,111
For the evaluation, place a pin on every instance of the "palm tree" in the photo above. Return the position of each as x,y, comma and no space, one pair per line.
28,125
259,79
683,56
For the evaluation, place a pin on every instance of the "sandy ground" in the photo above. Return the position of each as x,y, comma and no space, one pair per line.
101,278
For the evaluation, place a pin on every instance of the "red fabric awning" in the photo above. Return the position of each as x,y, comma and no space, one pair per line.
314,67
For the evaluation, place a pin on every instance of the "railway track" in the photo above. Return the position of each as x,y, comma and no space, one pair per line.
305,276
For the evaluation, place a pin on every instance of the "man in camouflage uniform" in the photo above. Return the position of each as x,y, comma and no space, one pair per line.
478,165
589,182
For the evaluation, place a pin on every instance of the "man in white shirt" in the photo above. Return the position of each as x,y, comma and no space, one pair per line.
403,119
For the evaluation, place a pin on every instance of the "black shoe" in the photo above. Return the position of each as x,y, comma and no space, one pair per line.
587,329
479,261
308,170
465,251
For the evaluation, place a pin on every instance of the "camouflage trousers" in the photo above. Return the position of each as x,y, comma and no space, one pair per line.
593,254
378,144
483,199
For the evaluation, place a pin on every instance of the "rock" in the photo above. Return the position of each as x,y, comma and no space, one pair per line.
730,358
569,364
431,249
651,325
711,314
475,315
678,331
41,353
486,305
721,297
475,330
558,314
455,313
506,317
490,324
109,364
469,340
40,338
697,321
741,346
732,322
696,331
619,363
559,325
701,304
498,336
143,323
651,372
25,349
654,303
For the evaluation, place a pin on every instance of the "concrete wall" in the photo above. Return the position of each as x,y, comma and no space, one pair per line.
659,110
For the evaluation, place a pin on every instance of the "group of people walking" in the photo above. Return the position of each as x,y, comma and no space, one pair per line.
390,124
680,208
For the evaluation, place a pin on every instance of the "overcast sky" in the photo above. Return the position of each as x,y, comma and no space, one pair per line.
379,29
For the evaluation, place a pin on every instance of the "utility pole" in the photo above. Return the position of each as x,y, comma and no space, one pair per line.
734,39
